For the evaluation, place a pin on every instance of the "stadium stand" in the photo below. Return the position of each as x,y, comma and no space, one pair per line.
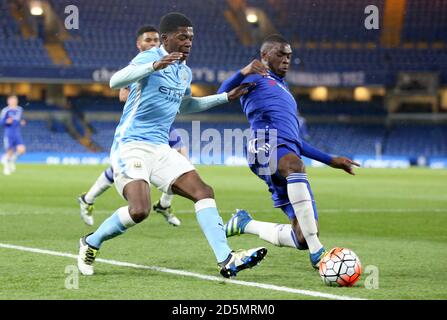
40,137
320,20
323,33
15,50
106,38
425,21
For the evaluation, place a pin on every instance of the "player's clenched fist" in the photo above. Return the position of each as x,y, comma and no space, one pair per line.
253,67
167,60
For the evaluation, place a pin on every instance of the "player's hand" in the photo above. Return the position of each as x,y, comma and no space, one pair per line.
9,121
240,90
254,67
167,60
345,164
23,123
124,94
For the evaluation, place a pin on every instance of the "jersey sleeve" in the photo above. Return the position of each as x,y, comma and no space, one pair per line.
252,78
231,83
141,66
3,116
145,57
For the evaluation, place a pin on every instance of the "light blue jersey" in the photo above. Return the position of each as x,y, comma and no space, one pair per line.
153,101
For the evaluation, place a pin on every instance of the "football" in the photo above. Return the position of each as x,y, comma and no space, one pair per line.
340,267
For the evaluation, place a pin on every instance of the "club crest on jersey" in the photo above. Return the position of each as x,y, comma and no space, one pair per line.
184,78
137,164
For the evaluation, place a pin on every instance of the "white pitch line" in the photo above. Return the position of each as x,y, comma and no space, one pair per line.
347,210
315,294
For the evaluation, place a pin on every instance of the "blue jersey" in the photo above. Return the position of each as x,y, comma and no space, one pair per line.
16,114
271,105
153,101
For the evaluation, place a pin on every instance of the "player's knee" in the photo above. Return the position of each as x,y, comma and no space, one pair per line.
139,212
288,167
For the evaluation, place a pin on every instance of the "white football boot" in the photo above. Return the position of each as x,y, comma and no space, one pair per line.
86,257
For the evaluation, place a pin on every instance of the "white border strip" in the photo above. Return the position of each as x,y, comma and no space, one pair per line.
315,294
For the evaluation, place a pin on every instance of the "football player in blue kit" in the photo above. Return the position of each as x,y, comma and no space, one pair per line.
12,119
275,150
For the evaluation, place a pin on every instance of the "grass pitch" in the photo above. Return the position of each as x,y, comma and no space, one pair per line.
395,220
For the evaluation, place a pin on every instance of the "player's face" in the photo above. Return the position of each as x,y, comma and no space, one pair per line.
278,58
180,41
148,40
13,101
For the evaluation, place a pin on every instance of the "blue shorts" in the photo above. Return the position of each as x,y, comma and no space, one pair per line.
269,173
11,141
175,140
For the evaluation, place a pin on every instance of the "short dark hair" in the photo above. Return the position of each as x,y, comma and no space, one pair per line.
145,29
275,38
271,39
172,21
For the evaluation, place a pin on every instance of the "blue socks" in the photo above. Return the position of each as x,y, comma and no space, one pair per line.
213,227
209,220
109,229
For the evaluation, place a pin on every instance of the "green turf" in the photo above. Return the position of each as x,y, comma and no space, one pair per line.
395,220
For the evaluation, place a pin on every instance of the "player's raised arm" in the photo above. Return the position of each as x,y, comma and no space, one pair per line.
142,66
192,104
254,67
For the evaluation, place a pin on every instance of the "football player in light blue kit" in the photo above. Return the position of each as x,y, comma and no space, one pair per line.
147,38
140,155
12,119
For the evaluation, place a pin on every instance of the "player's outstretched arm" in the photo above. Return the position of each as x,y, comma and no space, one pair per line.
192,104
335,162
313,153
254,67
133,73
231,83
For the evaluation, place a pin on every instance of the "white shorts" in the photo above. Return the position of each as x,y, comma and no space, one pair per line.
156,164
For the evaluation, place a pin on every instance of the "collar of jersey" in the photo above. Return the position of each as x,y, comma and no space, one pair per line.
275,76
165,53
